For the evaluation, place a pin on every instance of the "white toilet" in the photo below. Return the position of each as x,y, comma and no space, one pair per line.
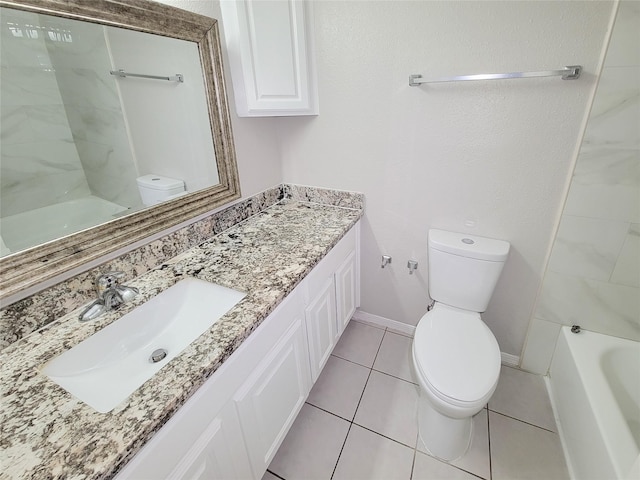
156,189
455,355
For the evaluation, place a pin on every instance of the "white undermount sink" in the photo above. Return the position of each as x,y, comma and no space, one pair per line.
107,367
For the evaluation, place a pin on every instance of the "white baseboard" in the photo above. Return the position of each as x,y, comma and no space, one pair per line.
510,360
383,322
378,321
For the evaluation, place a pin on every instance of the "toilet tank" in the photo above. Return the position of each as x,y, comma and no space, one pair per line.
155,189
464,269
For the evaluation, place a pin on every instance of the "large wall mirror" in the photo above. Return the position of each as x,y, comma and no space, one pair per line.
114,127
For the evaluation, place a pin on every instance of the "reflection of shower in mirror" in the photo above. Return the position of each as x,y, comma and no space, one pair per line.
73,135
34,227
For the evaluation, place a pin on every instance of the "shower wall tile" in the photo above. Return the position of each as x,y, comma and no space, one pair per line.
624,46
587,247
29,86
98,125
594,305
593,276
110,172
541,343
39,174
615,114
15,125
84,87
606,185
627,269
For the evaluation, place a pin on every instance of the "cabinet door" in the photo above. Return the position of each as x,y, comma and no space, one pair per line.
346,291
218,453
270,46
271,398
322,332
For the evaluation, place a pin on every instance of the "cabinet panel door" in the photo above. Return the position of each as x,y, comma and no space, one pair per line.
271,56
219,452
271,398
346,296
320,317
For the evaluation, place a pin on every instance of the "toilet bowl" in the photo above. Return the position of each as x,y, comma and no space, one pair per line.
457,365
456,357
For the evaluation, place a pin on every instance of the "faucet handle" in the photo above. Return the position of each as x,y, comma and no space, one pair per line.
107,281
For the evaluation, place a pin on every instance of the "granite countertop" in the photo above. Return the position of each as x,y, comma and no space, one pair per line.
47,433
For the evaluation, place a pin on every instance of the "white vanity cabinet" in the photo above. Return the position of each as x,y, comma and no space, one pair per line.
271,57
331,297
232,427
273,394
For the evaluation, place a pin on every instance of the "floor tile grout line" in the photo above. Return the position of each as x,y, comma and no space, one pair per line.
523,421
415,455
333,472
350,361
448,463
275,475
328,411
489,442
356,411
383,436
394,376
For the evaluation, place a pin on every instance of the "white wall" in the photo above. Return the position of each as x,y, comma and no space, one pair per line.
593,276
497,155
256,140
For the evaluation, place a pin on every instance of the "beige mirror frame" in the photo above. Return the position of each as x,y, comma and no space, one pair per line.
27,268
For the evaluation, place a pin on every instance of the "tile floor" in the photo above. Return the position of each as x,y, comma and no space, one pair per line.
359,422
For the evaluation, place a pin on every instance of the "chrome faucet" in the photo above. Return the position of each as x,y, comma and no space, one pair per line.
110,295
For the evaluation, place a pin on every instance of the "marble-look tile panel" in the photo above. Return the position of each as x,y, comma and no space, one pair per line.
49,122
29,86
110,172
624,45
98,125
627,269
19,47
28,315
615,114
15,125
39,174
597,306
85,87
48,433
606,184
541,343
587,247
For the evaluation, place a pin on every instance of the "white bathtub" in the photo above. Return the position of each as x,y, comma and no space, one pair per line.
41,225
595,389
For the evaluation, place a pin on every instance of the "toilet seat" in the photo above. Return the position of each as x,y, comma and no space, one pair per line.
457,356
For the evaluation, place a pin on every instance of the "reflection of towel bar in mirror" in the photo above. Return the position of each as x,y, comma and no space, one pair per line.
571,72
121,73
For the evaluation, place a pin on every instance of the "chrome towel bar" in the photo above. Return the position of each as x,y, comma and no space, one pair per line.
571,72
178,77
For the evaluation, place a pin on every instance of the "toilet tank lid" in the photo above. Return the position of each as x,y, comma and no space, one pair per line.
470,246
158,182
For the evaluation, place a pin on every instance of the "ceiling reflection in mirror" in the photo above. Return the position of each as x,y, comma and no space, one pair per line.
81,146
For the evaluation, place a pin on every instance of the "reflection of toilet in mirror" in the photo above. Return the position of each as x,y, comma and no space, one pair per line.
455,355
155,189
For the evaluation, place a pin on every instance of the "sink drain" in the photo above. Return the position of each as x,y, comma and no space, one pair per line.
158,355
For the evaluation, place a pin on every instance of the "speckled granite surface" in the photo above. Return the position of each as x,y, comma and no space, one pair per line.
47,433
28,315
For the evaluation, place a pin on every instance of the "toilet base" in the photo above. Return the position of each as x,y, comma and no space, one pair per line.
444,437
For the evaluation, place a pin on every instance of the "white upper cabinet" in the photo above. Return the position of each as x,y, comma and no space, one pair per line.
270,47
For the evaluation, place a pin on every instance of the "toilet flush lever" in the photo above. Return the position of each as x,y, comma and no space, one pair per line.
412,265
386,260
